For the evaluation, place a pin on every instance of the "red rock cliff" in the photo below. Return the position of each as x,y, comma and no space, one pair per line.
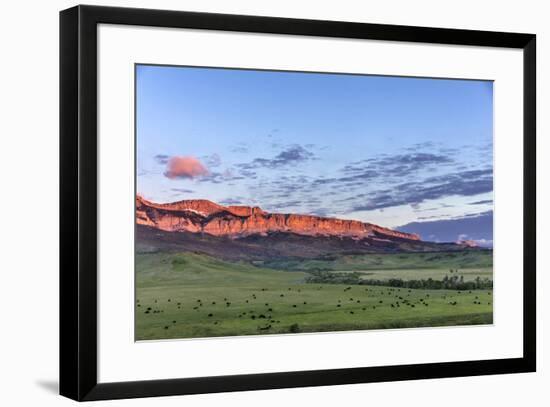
208,217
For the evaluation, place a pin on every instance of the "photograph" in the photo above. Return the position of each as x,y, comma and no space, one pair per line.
286,202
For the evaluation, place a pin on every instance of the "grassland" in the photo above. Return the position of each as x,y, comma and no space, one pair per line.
189,295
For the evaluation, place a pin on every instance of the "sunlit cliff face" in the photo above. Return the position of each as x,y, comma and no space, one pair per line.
203,216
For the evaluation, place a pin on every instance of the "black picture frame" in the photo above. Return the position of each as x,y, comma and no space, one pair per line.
78,202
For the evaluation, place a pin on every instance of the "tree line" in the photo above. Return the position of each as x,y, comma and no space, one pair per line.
452,282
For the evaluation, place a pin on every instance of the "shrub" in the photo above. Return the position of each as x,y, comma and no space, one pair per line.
294,328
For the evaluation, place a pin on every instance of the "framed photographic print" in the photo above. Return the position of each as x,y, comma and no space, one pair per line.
258,202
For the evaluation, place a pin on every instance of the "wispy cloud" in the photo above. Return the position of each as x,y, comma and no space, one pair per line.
465,183
483,202
182,190
291,155
213,160
162,158
218,177
233,201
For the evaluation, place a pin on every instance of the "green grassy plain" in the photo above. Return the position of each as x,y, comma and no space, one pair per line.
190,295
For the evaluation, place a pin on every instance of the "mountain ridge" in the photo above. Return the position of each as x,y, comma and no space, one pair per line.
204,216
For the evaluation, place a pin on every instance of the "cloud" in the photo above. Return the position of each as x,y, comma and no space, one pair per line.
398,165
486,201
409,177
182,190
283,205
184,167
240,148
290,155
465,183
213,160
162,158
217,177
232,201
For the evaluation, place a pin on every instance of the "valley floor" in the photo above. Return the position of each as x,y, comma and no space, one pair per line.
189,295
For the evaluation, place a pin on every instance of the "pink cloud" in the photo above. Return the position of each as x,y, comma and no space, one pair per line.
184,167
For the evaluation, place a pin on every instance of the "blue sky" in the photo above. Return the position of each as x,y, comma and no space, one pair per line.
393,151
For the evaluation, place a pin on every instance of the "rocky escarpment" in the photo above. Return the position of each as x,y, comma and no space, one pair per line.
203,216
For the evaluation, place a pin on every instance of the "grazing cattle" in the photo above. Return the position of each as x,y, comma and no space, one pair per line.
211,315
305,302
166,327
270,309
293,305
173,322
351,312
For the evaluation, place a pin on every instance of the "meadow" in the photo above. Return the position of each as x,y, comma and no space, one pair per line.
191,295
